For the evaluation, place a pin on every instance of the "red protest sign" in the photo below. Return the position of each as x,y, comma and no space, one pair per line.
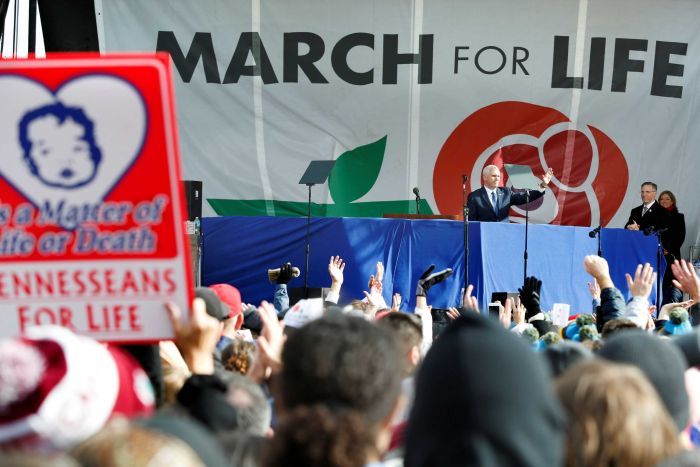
91,210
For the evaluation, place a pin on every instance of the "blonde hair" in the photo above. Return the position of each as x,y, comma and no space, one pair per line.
174,369
615,417
122,444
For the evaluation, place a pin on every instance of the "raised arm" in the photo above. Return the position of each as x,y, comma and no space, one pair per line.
612,304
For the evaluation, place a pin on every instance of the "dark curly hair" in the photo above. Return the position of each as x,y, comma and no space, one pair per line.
408,332
337,439
239,356
340,378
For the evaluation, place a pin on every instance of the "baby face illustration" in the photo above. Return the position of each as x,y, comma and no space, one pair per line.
59,146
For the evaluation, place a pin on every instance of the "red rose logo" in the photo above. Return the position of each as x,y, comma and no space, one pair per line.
590,172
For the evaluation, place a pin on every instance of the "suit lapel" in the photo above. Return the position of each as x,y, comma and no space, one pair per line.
485,199
501,198
499,202
653,205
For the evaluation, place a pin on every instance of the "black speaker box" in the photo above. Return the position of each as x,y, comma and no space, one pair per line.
503,296
299,293
193,198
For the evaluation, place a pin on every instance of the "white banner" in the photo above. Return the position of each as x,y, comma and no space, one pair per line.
410,94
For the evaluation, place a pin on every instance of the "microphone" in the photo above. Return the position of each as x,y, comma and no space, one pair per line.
464,181
417,193
594,232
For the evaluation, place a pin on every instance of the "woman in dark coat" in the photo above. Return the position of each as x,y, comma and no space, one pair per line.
672,240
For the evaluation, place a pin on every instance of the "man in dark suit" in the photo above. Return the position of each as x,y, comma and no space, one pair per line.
650,216
491,202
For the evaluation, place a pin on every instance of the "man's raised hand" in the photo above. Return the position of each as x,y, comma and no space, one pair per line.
530,296
686,279
599,269
644,278
196,338
336,266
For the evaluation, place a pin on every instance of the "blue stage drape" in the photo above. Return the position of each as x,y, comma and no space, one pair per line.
239,250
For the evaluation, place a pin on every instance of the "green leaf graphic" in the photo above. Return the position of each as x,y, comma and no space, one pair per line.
356,171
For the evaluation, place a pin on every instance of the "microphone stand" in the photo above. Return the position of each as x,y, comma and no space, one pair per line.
659,252
308,244
597,232
527,216
417,204
200,246
527,224
465,213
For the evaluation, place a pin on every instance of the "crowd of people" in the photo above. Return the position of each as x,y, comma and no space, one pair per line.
364,384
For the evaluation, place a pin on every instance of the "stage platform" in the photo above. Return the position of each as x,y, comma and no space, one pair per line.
239,250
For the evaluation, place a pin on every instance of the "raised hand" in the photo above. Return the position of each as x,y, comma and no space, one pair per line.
594,289
452,313
395,302
375,284
505,313
196,338
686,279
271,338
336,266
469,302
644,278
285,274
547,177
375,299
518,311
380,272
530,296
599,269
665,310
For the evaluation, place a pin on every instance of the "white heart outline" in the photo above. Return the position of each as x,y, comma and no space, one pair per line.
114,98
549,209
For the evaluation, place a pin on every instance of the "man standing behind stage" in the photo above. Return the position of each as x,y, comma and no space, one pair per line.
650,216
491,203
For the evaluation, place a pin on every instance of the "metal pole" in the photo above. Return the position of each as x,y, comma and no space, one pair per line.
16,30
658,272
3,15
465,213
308,242
31,44
527,216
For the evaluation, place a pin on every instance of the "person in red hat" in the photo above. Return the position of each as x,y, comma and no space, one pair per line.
58,388
230,298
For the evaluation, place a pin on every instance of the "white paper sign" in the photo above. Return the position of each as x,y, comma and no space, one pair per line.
560,314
